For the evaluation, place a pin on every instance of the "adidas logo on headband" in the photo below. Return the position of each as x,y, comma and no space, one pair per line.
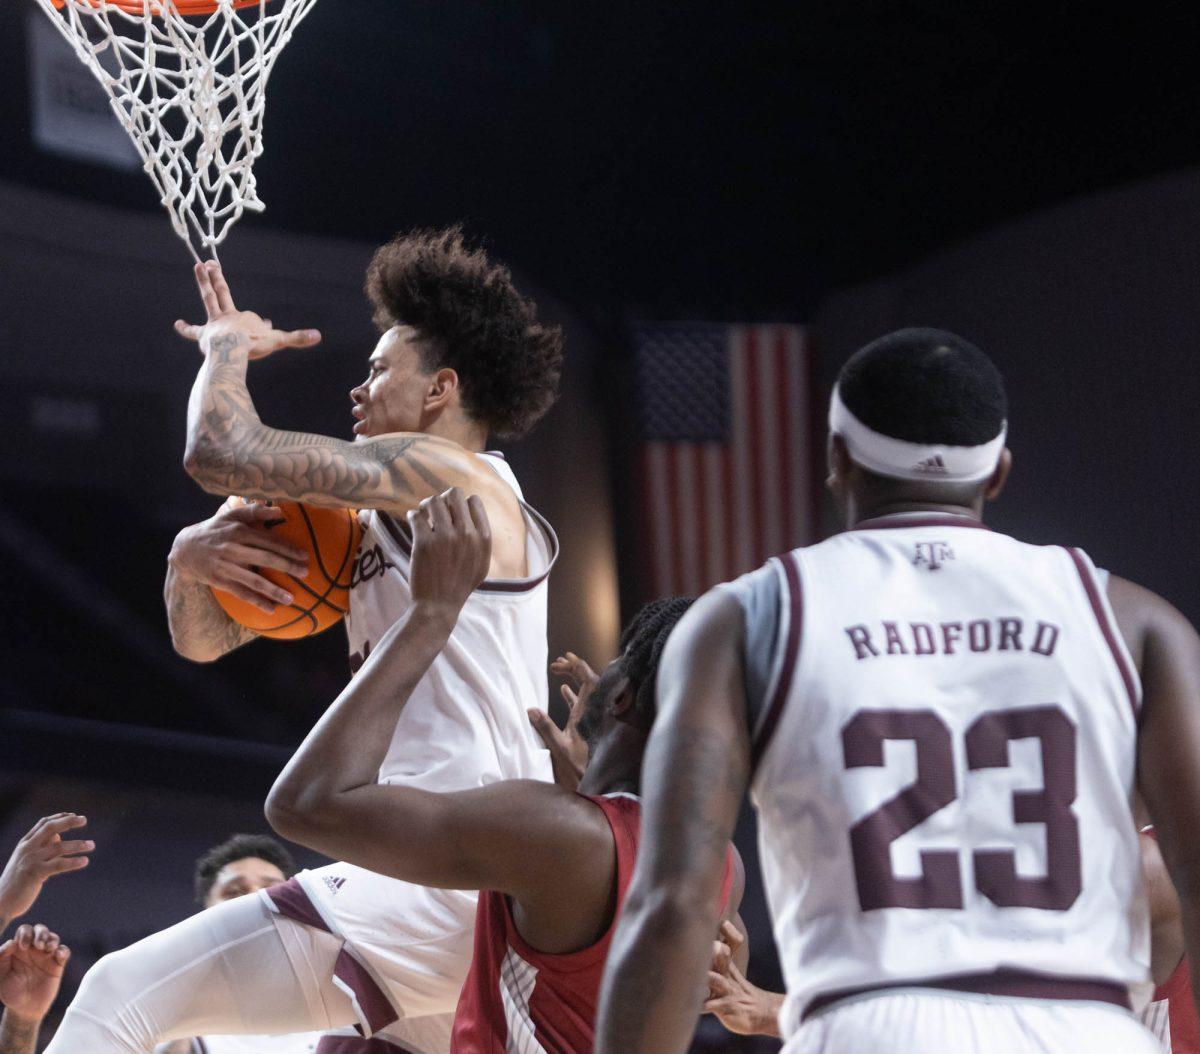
900,459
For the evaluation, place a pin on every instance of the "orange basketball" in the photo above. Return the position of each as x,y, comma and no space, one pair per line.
322,597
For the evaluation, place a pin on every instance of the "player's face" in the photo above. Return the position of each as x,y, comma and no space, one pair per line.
392,397
241,877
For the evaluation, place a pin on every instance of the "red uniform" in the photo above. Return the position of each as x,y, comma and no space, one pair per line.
517,998
1172,1016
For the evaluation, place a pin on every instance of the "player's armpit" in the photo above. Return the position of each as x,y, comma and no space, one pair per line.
694,775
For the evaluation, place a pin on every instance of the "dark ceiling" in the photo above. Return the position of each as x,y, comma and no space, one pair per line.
703,158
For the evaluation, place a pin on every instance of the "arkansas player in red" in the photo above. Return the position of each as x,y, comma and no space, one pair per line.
553,862
1171,1015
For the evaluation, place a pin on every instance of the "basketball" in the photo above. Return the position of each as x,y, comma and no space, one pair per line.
322,597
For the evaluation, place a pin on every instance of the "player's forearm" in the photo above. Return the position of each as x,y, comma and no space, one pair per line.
18,1035
344,751
221,416
200,629
652,990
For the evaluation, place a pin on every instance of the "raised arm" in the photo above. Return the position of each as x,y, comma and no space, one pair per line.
694,775
327,797
230,450
1166,650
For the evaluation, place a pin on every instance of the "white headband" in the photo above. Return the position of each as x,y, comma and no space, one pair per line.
900,459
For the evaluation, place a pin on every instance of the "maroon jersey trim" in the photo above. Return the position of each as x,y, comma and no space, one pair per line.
403,538
375,1008
358,1045
933,519
791,651
1091,588
1009,984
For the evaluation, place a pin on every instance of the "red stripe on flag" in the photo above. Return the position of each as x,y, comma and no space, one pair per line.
678,504
754,436
701,513
786,410
731,568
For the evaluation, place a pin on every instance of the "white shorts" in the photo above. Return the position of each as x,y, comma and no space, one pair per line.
406,948
929,1022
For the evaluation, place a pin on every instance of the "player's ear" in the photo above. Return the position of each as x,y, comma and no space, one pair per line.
623,699
443,389
1000,477
837,460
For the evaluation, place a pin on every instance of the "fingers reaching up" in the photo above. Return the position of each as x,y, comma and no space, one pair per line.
452,549
31,970
41,854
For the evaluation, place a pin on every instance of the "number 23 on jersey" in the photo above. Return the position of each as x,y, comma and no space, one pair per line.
987,739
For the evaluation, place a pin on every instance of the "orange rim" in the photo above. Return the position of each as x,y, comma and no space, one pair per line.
184,7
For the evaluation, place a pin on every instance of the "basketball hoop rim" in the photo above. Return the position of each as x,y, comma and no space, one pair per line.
187,8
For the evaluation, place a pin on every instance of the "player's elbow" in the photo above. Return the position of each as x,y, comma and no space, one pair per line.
296,813
209,463
193,651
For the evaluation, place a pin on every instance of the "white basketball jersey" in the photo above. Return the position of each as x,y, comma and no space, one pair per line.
301,1043
465,724
944,729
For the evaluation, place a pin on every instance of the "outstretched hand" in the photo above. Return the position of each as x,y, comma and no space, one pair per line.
31,970
225,320
568,749
740,1006
40,855
452,551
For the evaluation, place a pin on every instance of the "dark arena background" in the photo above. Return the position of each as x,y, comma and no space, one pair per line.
717,202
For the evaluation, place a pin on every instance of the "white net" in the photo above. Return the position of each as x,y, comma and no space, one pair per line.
187,79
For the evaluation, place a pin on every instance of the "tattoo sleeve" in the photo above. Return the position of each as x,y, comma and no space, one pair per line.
230,450
18,1036
694,775
200,629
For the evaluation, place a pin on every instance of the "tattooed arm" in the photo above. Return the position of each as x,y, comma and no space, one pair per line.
693,778
200,629
230,451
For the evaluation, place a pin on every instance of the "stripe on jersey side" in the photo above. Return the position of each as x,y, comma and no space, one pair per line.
1157,1018
198,1046
793,608
1108,629
517,981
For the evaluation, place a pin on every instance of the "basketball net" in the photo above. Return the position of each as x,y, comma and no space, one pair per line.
187,79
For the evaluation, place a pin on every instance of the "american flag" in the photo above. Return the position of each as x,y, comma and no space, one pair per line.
727,432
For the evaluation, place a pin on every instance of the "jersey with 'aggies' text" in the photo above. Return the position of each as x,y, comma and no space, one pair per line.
519,999
944,729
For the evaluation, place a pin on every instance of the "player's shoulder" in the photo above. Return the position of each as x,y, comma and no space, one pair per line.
1145,618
